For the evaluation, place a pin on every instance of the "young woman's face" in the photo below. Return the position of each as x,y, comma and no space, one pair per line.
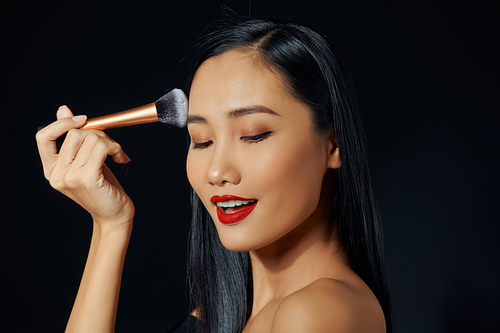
254,159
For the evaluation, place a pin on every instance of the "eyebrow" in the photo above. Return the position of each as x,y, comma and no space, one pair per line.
236,113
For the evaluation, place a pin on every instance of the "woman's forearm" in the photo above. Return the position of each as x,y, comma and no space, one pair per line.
96,303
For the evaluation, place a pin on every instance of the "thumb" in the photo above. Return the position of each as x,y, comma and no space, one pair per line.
64,112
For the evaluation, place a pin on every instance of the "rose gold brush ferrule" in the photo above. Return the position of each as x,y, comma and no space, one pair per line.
139,115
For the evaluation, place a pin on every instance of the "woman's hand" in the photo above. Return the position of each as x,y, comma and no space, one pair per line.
79,172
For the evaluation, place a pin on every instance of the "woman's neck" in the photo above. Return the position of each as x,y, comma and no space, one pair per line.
309,252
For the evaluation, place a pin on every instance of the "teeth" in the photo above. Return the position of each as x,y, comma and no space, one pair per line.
233,203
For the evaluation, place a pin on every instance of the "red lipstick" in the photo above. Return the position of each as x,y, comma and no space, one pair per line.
236,216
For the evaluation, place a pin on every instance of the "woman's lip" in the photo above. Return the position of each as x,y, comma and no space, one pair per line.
236,216
226,197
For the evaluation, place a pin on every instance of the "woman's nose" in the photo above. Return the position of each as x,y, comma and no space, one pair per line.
222,169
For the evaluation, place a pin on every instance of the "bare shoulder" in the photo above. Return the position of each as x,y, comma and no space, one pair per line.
329,305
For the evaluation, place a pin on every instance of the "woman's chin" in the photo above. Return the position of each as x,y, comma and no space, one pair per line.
240,240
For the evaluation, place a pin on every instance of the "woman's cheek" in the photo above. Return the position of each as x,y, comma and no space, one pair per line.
261,163
194,171
188,168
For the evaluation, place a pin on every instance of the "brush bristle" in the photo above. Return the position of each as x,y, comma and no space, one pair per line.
172,108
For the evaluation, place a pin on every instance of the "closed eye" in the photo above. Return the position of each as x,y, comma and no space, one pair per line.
250,139
257,138
202,145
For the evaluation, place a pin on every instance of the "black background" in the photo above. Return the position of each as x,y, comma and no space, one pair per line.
427,80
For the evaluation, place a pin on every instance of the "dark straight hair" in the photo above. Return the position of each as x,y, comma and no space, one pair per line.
220,281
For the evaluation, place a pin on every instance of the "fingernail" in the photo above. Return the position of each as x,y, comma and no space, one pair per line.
77,119
63,106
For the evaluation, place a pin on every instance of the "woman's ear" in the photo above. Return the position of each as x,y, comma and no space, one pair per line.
334,161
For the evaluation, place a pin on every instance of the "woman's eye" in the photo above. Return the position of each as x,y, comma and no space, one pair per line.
202,145
258,137
250,139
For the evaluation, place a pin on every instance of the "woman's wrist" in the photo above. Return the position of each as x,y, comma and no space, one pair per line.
115,229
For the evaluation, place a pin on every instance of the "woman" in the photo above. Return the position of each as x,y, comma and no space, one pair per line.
285,235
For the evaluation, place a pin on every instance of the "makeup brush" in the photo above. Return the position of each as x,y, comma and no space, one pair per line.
171,109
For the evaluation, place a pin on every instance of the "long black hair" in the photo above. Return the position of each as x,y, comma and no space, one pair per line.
220,281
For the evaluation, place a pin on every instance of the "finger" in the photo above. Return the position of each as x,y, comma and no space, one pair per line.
89,148
46,137
120,157
98,155
64,161
83,145
114,149
64,112
78,145
77,148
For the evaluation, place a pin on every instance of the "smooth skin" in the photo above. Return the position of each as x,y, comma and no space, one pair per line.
302,278
79,172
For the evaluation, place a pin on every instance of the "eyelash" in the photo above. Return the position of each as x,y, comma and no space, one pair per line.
258,137
202,145
249,139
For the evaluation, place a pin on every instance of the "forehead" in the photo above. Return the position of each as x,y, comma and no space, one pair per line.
234,79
